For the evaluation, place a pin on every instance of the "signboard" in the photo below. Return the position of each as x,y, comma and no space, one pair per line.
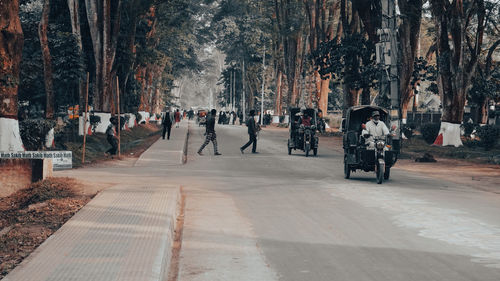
61,160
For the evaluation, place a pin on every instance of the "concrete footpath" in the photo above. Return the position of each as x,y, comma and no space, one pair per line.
125,233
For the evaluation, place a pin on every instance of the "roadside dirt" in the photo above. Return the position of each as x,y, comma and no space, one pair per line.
484,177
31,215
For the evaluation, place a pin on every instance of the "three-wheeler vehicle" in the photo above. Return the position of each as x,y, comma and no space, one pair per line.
380,156
303,136
202,117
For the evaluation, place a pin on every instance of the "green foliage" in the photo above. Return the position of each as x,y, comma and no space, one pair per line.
408,130
485,88
488,136
31,86
430,132
94,120
34,131
353,61
468,129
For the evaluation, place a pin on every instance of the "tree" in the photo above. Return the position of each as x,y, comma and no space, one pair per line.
351,62
104,22
459,44
11,44
486,83
47,60
409,33
321,15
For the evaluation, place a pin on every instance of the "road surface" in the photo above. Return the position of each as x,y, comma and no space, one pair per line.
274,216
271,216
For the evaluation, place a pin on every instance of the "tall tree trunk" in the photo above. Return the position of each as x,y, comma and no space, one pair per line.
365,96
141,78
11,45
351,95
324,92
74,13
456,64
93,9
278,92
47,60
104,24
409,33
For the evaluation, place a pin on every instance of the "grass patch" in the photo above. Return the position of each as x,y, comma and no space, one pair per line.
417,146
131,141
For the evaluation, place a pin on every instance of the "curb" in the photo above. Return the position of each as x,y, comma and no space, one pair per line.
174,211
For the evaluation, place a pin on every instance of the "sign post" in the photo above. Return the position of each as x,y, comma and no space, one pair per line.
85,118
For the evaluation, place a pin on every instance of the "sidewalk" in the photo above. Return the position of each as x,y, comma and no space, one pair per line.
125,233
166,152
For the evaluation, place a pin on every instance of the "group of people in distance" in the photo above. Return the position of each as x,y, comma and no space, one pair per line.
227,117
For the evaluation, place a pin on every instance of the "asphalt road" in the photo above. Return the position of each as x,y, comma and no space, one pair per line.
271,216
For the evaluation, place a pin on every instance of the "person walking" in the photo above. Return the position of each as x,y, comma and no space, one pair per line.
167,125
233,115
177,118
210,135
111,136
252,133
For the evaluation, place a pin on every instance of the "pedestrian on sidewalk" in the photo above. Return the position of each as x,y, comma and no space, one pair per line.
177,118
252,133
111,136
167,125
210,133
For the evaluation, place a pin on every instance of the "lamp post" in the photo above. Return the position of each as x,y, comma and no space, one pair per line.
263,83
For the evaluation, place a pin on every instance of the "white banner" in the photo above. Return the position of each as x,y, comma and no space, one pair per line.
61,160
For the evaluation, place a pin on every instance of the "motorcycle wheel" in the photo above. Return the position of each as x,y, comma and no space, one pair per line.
387,173
315,151
347,170
380,171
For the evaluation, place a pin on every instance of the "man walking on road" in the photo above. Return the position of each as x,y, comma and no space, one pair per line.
210,133
167,125
252,133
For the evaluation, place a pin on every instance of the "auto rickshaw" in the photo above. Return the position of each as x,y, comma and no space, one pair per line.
202,118
357,153
301,136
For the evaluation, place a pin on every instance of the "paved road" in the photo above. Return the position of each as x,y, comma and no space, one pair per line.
272,216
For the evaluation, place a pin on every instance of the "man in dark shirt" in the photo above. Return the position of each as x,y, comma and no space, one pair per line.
167,125
111,136
252,133
210,133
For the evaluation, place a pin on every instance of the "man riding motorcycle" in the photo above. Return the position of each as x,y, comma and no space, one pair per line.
305,120
374,129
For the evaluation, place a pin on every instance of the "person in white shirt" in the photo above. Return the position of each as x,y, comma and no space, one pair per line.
374,128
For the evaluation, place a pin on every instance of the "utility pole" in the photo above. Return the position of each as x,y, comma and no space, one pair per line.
210,102
234,90
230,86
387,57
244,99
263,83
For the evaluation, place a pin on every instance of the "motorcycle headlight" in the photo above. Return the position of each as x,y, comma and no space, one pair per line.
380,145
